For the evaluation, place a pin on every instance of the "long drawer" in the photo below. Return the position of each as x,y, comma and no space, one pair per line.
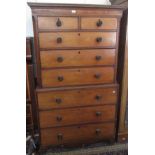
66,58
85,96
72,116
77,39
75,135
81,76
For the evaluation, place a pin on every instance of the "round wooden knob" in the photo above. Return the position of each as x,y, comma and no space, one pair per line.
98,113
98,97
99,39
60,78
59,118
58,100
58,23
60,59
97,76
60,136
98,131
99,23
59,40
98,57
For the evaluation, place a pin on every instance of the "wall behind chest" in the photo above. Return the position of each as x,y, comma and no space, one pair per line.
29,28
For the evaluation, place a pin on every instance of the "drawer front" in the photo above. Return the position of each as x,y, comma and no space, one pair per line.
77,39
66,58
78,97
77,134
66,77
98,23
72,116
57,23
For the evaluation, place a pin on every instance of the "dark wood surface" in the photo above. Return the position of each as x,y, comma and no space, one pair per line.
76,49
64,5
31,116
123,79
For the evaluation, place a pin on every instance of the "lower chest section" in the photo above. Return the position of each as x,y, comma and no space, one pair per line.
79,115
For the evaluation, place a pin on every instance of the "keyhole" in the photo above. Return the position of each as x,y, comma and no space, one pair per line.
79,52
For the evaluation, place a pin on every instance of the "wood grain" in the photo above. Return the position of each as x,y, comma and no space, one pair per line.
73,116
49,23
50,78
76,39
95,57
81,134
91,23
77,97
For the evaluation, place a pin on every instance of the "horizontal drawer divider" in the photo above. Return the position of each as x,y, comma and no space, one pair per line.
84,106
77,48
77,87
59,126
77,67
78,30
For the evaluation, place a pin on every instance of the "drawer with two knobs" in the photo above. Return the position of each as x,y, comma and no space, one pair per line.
78,134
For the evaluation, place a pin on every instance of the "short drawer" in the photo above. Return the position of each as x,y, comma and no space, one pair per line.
53,99
98,23
77,39
82,76
77,135
62,117
67,58
57,23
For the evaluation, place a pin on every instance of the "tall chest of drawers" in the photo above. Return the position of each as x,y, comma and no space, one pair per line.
76,50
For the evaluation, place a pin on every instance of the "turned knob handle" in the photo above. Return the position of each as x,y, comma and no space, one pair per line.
58,100
60,136
98,131
99,39
60,59
60,78
99,23
59,40
58,23
98,57
97,76
98,97
59,118
98,113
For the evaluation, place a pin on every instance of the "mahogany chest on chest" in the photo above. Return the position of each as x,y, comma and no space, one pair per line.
76,50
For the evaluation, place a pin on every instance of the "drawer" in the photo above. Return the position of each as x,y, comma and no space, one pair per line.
77,39
72,116
67,77
67,58
77,134
98,23
77,97
57,23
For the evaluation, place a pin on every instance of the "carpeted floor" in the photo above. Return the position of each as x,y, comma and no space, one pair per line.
99,149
